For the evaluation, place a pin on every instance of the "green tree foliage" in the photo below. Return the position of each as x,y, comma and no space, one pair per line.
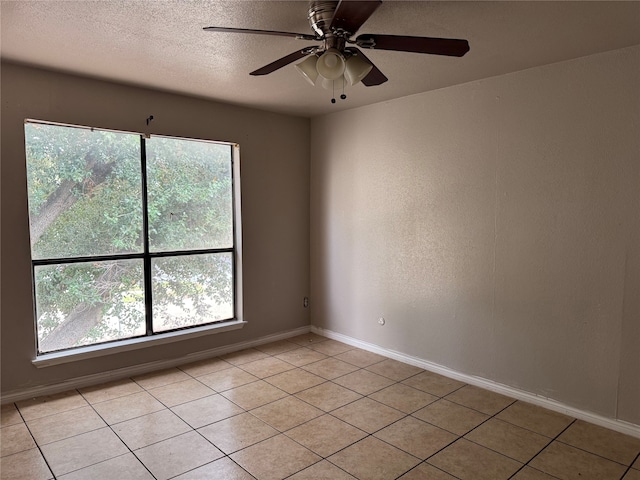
85,200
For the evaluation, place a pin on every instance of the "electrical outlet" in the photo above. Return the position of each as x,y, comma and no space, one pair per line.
381,321
305,302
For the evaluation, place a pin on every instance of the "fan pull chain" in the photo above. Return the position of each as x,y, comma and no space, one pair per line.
343,96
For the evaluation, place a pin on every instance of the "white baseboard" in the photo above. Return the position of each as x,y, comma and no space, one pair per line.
548,403
95,379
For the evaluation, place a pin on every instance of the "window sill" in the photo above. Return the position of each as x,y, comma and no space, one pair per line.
83,353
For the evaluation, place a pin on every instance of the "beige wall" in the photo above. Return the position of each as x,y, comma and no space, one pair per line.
495,225
275,200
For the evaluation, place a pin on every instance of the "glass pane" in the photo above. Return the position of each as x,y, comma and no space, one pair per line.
189,195
86,303
191,290
84,191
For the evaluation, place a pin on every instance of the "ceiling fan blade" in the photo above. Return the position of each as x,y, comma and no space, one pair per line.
303,36
284,61
375,76
436,46
351,14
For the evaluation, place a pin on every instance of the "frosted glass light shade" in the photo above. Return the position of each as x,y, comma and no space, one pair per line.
307,68
338,84
331,64
356,69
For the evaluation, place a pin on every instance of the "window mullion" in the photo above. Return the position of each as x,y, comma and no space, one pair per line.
148,297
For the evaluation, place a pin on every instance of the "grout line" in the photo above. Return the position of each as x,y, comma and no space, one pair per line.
46,462
118,436
544,448
630,466
424,462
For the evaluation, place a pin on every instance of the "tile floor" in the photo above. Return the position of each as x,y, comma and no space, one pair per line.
303,408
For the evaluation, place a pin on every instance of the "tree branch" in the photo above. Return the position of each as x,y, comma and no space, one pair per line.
63,198
73,329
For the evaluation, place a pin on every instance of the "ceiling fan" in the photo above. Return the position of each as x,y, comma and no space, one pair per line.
335,62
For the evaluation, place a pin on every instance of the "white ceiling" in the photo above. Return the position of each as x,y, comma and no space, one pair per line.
161,44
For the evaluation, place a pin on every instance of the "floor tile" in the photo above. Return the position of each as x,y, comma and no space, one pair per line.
307,339
468,461
322,471
360,358
275,458
235,433
161,378
601,441
64,425
479,399
204,411
528,473
266,367
394,369
155,427
177,455
372,459
294,381
254,394
330,347
9,415
328,396
15,438
363,382
110,390
181,392
330,368
632,474
50,404
510,440
126,466
125,408
275,348
325,435
433,383
27,465
564,461
202,367
368,415
227,379
400,429
403,397
301,356
424,471
222,469
416,437
536,419
77,452
286,413
451,416
243,356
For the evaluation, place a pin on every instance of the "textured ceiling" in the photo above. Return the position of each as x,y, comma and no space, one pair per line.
161,44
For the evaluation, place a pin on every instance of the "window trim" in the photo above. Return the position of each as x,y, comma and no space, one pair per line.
150,338
119,346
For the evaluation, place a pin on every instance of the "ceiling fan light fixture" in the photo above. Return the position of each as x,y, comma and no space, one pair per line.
307,68
337,85
356,69
331,64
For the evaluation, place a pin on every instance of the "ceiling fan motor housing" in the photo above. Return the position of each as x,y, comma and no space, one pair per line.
320,16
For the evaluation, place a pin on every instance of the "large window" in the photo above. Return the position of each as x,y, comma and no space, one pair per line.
130,236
